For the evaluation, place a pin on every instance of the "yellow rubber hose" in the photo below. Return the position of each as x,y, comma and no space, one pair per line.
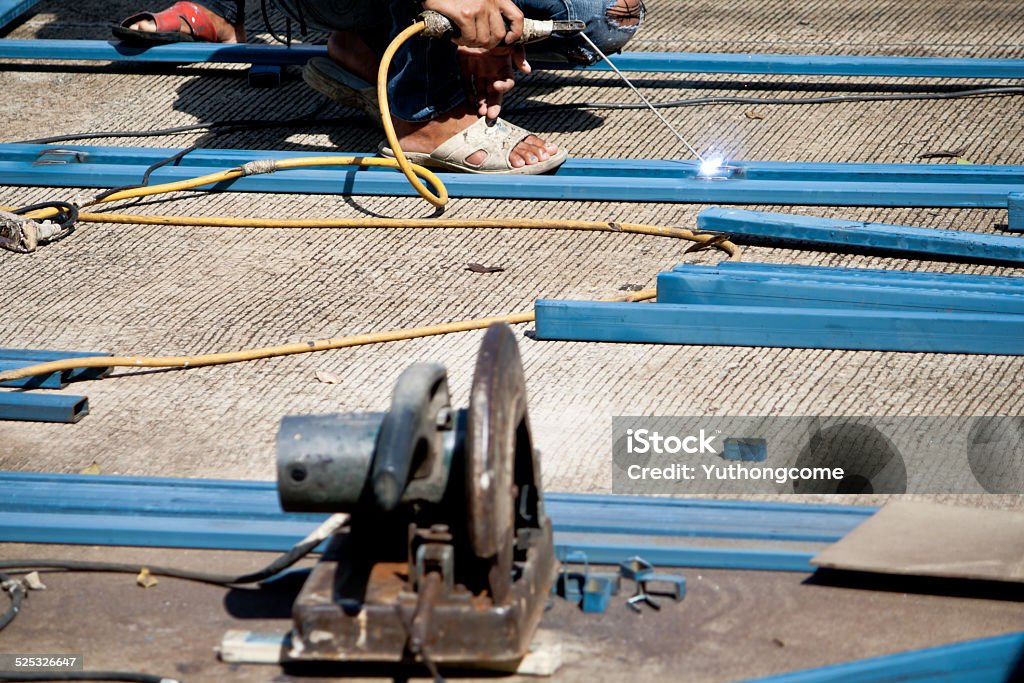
284,349
441,198
413,172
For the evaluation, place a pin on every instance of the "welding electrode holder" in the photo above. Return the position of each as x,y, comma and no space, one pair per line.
440,26
24,235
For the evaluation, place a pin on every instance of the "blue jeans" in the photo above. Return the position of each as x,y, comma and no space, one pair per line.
426,79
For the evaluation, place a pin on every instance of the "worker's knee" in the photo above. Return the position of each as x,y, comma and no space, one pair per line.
620,21
625,13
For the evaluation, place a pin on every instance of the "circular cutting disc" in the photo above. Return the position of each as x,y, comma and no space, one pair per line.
497,430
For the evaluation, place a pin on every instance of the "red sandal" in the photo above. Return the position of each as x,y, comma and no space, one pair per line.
168,26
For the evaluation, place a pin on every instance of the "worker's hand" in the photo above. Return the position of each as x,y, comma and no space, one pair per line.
489,74
481,23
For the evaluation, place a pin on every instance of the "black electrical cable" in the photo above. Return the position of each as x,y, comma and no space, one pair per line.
17,591
287,40
174,158
65,218
231,126
277,566
127,676
296,553
17,596
826,99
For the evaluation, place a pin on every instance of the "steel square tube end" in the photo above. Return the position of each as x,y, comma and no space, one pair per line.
1015,212
36,407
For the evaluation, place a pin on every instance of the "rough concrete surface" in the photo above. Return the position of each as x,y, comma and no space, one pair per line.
175,290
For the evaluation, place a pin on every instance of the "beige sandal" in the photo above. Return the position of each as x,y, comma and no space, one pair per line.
497,139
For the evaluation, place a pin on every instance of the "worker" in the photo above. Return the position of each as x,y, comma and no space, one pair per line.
445,95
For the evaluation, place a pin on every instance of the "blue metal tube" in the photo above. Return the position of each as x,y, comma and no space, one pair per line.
12,9
51,380
876,236
1015,215
216,159
729,288
32,407
221,534
613,187
239,515
891,278
787,327
33,356
986,660
662,62
198,500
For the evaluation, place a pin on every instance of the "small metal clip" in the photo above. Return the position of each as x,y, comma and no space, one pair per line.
55,156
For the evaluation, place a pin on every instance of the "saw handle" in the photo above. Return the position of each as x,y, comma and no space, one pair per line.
440,26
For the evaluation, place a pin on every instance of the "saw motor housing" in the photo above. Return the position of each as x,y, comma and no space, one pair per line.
448,555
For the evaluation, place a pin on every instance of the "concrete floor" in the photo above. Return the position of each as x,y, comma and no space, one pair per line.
731,626
161,291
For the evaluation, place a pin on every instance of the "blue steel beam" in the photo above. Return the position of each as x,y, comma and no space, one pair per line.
33,356
891,278
51,380
660,62
728,288
279,536
596,180
1015,216
12,9
33,407
986,660
31,494
927,242
206,160
788,327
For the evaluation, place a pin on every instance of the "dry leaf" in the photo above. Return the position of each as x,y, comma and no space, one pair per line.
942,154
327,377
751,114
960,161
91,469
145,579
479,268
33,582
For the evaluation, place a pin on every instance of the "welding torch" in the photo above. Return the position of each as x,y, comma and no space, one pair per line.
440,26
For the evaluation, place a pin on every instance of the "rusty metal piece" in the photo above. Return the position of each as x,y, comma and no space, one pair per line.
430,589
498,439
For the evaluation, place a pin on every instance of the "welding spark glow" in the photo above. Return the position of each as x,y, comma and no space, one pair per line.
711,167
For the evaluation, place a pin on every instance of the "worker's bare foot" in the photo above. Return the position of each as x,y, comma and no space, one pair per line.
225,32
426,137
353,54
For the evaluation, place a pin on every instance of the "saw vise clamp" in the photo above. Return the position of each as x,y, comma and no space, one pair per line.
448,556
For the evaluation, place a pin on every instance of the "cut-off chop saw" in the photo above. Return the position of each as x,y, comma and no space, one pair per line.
448,555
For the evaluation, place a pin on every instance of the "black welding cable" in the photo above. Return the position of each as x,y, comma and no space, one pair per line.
127,676
297,552
825,99
16,590
65,218
223,127
233,125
